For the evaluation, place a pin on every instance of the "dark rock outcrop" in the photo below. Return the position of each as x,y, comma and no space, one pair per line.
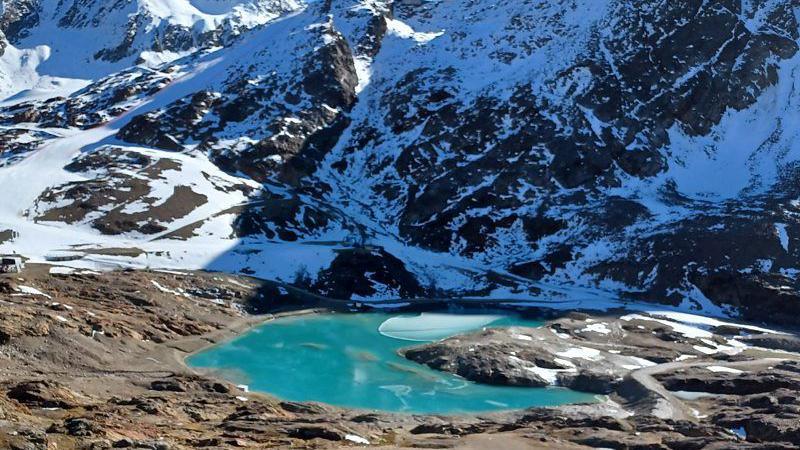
367,272
42,394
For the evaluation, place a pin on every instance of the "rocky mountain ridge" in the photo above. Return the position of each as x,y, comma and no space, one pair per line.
572,149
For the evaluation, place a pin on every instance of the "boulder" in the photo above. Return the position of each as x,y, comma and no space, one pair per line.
43,394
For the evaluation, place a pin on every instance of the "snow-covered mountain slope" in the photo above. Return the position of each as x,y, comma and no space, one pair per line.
84,40
579,149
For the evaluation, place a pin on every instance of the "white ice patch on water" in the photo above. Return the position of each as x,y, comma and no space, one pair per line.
401,391
433,326
496,403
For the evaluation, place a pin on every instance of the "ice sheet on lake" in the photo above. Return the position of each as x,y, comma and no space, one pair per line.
433,326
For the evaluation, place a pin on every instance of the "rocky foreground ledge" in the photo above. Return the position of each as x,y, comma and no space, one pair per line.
95,361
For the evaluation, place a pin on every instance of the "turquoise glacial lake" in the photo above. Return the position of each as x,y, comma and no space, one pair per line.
344,360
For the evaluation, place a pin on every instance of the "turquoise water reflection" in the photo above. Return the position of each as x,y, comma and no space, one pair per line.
343,360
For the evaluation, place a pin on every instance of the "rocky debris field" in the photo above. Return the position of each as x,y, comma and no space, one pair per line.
734,376
759,401
95,360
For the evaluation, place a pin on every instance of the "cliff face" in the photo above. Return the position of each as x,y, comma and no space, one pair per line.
638,149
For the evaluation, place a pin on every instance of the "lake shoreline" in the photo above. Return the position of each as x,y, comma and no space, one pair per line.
343,347
523,308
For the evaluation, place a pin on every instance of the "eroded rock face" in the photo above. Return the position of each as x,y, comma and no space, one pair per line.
525,167
42,394
17,16
788,343
739,259
287,219
265,120
367,273
573,139
761,402
17,142
781,376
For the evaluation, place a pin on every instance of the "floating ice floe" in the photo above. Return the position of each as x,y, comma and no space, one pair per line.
433,326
